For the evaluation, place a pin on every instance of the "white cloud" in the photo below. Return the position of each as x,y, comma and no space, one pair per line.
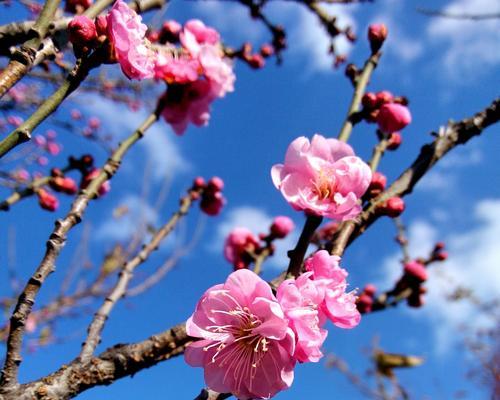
258,221
138,214
158,144
469,47
474,260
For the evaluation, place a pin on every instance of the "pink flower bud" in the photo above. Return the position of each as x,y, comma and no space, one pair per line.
415,300
47,200
198,183
39,140
393,207
212,204
53,148
215,184
64,185
266,50
51,134
14,120
416,270
393,117
238,244
281,227
439,246
42,161
377,184
394,141
441,256
377,33
82,31
22,175
370,289
76,114
94,123
256,61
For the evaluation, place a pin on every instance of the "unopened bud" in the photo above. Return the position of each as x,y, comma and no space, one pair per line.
393,117
47,200
377,33
281,227
393,207
416,270
82,31
394,141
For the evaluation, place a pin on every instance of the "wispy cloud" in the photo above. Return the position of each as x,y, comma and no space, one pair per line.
468,47
158,144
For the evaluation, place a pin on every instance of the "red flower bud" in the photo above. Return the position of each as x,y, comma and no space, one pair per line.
394,141
416,270
393,207
266,50
377,185
198,183
170,32
64,185
369,100
393,117
212,203
256,61
384,97
47,200
74,6
377,33
105,187
370,289
215,184
82,31
441,256
364,303
281,227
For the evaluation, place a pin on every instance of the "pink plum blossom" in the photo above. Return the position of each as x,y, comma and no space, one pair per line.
195,34
218,70
238,243
322,177
126,32
173,69
246,345
188,103
300,300
338,305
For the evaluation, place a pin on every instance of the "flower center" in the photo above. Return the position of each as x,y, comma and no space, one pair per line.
325,185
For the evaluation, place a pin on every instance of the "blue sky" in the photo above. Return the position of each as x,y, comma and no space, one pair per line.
448,69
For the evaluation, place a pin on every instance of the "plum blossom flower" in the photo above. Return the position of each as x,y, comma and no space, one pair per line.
315,296
127,32
338,305
322,177
300,300
247,345
188,103
196,34
173,69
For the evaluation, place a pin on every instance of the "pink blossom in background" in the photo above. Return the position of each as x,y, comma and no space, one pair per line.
238,243
338,305
246,345
176,69
127,32
188,103
195,34
322,177
300,300
218,70
282,226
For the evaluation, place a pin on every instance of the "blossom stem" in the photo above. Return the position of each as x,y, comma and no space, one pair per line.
56,241
260,258
378,152
297,254
359,90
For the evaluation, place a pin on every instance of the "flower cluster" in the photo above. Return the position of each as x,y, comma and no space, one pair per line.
197,73
189,59
322,177
242,246
251,339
